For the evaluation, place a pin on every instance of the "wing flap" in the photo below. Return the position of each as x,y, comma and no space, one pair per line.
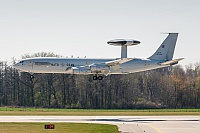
117,62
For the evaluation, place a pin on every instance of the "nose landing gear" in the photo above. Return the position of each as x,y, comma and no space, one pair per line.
32,76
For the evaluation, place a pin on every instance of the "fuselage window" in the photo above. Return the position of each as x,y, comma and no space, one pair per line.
42,63
21,62
55,64
69,64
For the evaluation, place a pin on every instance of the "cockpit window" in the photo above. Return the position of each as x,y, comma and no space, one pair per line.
21,62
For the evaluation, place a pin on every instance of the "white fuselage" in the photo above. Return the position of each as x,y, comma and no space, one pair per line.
62,65
161,58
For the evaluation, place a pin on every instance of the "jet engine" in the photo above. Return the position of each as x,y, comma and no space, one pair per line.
91,69
81,70
99,68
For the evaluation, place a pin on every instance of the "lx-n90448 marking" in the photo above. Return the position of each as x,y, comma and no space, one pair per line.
99,67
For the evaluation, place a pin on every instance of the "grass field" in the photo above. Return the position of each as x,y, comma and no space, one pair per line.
59,128
79,127
96,112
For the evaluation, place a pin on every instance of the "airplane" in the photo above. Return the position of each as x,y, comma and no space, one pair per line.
100,67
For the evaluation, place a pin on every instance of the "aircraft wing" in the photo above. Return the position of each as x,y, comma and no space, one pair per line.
171,62
115,63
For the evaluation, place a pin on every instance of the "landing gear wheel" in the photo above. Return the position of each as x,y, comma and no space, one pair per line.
95,77
100,77
31,77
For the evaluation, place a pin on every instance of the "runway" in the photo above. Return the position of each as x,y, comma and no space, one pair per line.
126,124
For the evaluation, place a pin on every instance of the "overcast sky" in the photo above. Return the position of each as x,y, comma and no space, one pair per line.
83,27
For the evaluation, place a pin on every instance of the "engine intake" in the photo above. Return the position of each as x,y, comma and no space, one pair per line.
94,68
99,68
81,70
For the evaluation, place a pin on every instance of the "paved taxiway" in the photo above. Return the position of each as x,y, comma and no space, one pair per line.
126,124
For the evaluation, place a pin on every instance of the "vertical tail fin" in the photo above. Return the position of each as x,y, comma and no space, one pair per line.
166,49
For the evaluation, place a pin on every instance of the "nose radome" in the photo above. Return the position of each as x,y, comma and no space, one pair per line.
16,66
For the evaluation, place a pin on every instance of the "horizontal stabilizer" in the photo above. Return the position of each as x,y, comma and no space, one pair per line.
171,62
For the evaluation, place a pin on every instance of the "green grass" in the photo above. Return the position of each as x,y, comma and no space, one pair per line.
96,112
59,128
79,127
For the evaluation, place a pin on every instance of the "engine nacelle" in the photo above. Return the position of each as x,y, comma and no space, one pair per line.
94,68
99,68
81,70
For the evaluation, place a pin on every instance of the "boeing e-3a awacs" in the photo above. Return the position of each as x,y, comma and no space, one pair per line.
99,67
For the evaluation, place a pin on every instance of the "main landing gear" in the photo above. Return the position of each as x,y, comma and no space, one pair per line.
96,77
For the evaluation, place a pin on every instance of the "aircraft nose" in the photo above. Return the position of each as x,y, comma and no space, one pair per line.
16,66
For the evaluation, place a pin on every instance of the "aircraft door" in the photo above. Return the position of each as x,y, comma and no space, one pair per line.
30,64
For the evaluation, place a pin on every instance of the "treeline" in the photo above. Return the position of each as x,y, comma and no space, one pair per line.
159,88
